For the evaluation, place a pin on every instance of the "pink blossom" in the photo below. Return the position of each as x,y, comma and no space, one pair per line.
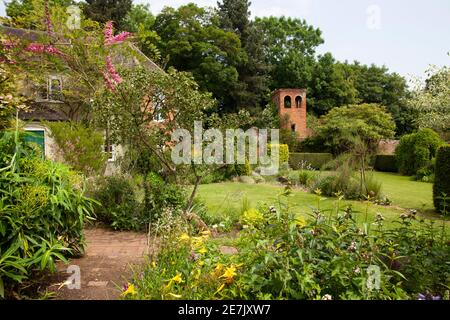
117,39
108,30
41,48
112,70
109,84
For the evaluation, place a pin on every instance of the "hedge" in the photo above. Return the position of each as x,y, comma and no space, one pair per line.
386,163
316,160
442,179
416,150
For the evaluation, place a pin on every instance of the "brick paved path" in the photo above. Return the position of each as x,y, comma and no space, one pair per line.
106,266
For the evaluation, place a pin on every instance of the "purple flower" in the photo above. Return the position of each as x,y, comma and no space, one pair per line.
435,298
421,297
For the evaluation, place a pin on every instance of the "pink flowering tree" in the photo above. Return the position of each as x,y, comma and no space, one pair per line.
81,57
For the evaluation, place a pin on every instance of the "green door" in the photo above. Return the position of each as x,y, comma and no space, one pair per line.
38,137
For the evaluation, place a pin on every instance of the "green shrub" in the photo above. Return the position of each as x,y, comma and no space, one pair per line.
161,196
416,150
119,206
305,177
42,213
347,183
282,255
316,160
80,146
441,187
385,163
283,152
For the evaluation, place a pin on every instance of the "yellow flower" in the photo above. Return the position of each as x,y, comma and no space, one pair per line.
203,250
197,242
184,237
220,288
318,191
153,264
177,296
177,278
300,221
219,267
206,234
229,274
130,290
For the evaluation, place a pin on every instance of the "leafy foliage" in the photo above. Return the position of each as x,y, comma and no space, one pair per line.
80,146
367,122
42,212
281,255
432,101
441,187
108,10
118,203
416,150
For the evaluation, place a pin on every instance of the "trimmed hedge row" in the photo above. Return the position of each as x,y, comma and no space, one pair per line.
442,179
316,160
386,163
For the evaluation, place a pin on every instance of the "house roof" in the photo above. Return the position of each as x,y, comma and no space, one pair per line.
39,112
35,35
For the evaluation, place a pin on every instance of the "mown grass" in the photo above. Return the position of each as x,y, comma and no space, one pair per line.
226,198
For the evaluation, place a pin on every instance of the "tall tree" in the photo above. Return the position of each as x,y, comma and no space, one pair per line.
432,101
29,14
252,88
331,85
141,21
193,41
376,84
289,47
108,10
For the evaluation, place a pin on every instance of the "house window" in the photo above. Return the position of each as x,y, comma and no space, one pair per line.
298,102
54,88
110,151
293,127
287,102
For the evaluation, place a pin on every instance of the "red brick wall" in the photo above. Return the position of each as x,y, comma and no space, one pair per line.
296,115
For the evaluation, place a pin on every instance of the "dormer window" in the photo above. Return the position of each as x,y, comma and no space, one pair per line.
287,102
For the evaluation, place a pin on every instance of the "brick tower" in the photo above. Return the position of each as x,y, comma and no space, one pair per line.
292,103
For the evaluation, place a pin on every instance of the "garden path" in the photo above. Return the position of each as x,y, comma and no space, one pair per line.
104,269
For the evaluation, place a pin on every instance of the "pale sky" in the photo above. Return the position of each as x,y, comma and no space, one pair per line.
404,35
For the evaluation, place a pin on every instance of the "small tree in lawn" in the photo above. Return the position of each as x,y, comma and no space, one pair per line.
148,106
356,130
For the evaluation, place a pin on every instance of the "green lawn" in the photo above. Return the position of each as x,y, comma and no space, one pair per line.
226,198
406,193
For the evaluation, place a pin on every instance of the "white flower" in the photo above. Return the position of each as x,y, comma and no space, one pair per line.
327,297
